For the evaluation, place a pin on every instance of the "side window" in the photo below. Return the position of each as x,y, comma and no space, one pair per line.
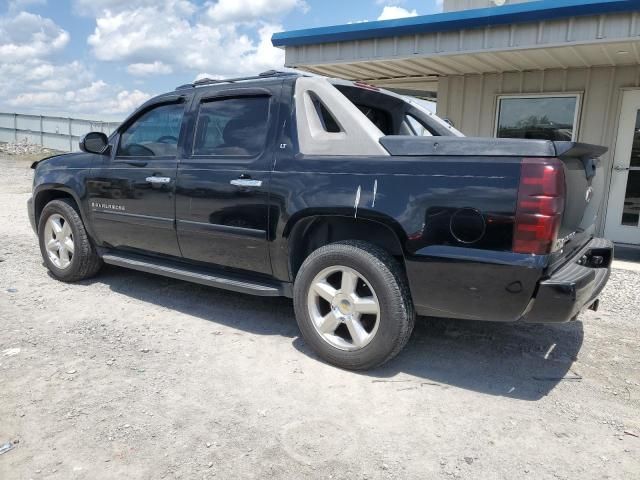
232,126
153,134
416,127
329,123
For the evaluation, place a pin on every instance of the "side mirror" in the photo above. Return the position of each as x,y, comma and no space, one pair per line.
95,142
448,120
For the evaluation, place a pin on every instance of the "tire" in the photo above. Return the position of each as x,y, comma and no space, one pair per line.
83,260
380,280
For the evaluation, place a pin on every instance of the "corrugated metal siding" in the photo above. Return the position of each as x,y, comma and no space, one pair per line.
58,133
494,48
470,100
456,5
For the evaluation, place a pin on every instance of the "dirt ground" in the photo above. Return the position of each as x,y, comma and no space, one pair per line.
135,376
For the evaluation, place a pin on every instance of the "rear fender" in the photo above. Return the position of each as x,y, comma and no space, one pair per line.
309,230
362,214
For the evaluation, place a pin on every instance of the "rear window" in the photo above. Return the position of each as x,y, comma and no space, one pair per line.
232,127
378,117
416,127
391,114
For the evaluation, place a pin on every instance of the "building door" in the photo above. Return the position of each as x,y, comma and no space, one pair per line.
623,213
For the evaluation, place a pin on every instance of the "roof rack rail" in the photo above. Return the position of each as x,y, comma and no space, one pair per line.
214,81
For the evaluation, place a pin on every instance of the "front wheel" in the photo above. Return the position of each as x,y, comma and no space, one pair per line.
65,246
353,305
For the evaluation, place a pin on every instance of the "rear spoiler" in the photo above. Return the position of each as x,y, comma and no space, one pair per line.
579,150
409,145
585,152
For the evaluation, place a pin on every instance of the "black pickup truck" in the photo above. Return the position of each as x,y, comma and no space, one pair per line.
360,204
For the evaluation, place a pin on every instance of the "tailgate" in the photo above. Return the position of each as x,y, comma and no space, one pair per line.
584,181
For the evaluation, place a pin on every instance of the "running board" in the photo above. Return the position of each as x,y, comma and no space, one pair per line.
198,275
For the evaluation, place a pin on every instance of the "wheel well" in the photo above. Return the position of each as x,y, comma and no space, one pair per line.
45,197
312,233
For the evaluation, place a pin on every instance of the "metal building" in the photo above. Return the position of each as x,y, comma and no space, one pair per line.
553,69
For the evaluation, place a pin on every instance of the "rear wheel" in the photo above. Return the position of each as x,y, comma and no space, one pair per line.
353,305
65,246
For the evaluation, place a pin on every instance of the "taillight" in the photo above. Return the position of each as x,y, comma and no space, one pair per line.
540,205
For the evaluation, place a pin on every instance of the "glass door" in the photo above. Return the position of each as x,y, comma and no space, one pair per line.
623,213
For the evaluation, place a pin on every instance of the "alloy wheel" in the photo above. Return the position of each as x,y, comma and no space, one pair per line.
344,308
58,238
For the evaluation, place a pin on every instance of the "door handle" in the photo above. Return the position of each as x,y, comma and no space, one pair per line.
158,179
246,182
619,168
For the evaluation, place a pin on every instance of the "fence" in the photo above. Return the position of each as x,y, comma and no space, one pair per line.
57,133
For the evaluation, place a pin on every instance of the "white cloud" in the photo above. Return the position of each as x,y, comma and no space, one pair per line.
32,80
56,77
143,37
103,98
127,101
27,35
99,7
27,42
390,12
146,69
251,10
182,42
97,99
209,76
40,75
40,99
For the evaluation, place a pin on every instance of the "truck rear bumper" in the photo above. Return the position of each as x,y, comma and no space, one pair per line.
574,286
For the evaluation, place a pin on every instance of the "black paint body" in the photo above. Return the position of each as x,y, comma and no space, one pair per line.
448,207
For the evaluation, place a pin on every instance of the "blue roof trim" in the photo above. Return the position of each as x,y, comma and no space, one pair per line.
440,22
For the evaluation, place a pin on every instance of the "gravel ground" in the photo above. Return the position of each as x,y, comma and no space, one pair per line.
135,376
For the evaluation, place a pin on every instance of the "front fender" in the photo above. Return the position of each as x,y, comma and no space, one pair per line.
62,183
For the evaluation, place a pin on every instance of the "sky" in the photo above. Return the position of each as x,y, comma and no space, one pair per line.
100,59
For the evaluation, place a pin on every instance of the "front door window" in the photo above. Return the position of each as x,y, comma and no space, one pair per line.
154,134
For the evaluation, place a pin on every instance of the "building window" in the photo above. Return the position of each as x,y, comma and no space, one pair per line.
546,117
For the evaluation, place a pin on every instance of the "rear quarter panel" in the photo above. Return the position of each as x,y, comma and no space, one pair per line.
448,276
